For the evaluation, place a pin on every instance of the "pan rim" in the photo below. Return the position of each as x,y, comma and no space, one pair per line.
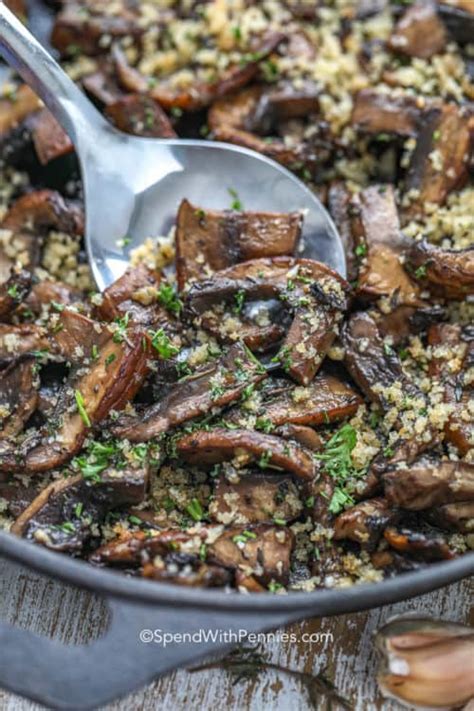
117,585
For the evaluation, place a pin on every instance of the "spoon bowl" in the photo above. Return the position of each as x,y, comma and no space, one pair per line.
133,186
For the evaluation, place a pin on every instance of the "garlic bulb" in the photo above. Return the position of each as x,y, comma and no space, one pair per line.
426,663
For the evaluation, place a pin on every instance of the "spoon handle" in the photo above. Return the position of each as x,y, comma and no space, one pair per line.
76,114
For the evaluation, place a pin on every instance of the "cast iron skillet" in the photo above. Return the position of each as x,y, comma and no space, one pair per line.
88,676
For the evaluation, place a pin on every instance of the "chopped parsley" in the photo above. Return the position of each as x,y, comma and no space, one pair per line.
168,298
420,272
81,408
195,510
121,328
162,344
239,299
337,456
236,203
13,292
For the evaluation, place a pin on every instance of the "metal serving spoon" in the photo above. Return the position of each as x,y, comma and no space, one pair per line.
133,186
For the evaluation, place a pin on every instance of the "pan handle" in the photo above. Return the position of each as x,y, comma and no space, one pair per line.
130,654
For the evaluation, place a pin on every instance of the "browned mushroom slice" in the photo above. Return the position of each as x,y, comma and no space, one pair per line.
219,239
450,271
326,399
377,370
377,230
439,163
49,139
18,396
13,292
24,339
69,336
141,116
256,498
377,112
419,32
229,119
339,204
428,483
373,366
282,103
301,434
102,85
211,388
43,209
62,515
364,523
132,548
14,109
188,571
201,93
17,497
45,292
458,16
219,445
429,547
261,551
449,359
134,293
75,338
108,383
82,27
454,517
316,294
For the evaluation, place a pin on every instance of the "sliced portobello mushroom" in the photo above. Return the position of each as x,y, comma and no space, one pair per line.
340,208
458,16
265,555
207,447
301,434
416,544
14,109
449,271
377,112
216,385
429,483
43,293
13,292
326,399
376,368
49,138
315,293
18,396
381,244
458,516
439,163
256,498
365,522
213,240
134,293
141,116
241,117
24,339
61,517
233,78
83,25
282,103
89,395
419,32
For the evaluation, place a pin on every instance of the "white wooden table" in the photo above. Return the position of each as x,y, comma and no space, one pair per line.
51,608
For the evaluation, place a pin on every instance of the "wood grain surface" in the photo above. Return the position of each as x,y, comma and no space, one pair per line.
73,616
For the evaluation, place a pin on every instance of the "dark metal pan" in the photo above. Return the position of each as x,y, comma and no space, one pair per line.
88,676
